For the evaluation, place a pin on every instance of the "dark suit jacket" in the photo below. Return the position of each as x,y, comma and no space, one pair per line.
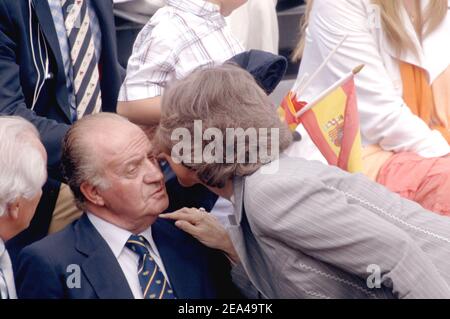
195,271
51,114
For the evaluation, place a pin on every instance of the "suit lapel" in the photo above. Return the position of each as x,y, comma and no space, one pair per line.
245,242
432,60
45,18
438,59
101,267
182,261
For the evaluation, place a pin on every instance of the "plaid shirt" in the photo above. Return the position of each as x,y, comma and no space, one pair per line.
58,20
180,37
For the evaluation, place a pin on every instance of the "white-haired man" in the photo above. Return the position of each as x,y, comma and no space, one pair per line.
22,174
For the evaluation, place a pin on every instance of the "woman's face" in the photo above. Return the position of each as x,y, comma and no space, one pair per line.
186,177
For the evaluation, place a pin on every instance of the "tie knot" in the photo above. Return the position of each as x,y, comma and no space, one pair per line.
137,245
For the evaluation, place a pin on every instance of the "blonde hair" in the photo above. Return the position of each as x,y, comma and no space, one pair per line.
392,24
304,21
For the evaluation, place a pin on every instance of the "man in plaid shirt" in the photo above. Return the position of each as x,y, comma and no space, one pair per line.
180,37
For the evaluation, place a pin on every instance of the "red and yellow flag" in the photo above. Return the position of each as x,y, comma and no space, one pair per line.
332,123
288,109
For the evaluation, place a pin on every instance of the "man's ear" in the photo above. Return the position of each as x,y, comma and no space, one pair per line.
13,209
91,193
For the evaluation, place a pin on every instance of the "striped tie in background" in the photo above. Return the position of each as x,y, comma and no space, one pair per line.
82,53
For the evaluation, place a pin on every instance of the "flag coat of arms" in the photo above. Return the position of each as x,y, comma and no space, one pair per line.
332,123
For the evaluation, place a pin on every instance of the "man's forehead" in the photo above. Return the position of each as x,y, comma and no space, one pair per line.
122,142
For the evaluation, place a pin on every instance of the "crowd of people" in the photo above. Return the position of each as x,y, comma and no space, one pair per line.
98,198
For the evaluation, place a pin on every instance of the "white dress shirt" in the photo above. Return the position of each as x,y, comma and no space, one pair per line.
7,287
116,238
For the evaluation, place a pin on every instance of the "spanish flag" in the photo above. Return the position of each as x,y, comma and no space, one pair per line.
288,110
332,121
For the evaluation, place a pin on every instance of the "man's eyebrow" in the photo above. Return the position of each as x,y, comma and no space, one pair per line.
133,160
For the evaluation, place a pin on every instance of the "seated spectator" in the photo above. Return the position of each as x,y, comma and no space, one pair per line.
402,91
52,80
23,172
300,228
119,248
180,37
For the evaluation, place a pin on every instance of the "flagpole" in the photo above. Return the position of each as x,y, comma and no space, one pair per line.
300,82
301,88
310,105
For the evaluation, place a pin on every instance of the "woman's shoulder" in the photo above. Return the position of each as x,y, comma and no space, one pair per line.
286,169
347,9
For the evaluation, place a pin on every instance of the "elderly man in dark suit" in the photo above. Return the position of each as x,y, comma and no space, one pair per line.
22,174
58,62
119,248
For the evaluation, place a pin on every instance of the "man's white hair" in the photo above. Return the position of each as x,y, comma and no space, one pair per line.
23,169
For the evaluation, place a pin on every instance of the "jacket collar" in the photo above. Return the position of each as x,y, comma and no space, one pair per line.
433,60
178,258
101,267
436,47
45,18
238,200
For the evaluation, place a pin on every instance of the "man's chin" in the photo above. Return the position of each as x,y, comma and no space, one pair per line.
159,206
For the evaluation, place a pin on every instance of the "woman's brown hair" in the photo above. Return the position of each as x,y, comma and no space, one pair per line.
224,97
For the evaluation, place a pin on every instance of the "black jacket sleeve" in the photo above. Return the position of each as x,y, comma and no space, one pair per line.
36,277
12,100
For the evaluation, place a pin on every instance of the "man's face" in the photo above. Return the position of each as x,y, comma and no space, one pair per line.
136,191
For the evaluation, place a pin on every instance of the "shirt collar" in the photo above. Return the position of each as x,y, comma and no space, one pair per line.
116,237
201,8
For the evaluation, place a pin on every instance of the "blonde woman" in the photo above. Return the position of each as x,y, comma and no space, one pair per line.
403,91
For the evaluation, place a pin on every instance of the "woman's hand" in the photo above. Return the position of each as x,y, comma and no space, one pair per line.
205,228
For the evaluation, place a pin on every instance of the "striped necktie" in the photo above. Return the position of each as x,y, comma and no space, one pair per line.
153,282
82,53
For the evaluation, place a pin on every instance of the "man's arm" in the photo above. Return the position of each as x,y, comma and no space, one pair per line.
12,100
143,112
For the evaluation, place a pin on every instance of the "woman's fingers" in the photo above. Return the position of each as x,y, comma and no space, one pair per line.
191,215
187,227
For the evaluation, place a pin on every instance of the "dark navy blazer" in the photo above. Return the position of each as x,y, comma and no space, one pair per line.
51,115
194,271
